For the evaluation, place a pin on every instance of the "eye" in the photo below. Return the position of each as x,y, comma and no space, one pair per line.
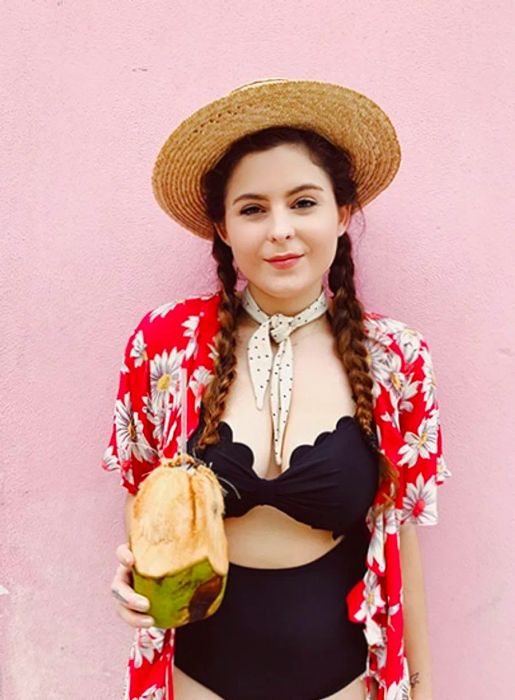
248,210
309,201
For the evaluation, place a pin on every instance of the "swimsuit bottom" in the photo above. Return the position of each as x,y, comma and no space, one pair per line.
281,634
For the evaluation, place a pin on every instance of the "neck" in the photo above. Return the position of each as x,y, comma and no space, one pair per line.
288,306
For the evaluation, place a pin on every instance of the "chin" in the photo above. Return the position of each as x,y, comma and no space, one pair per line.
287,288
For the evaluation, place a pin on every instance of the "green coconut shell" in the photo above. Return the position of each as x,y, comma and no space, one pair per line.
190,595
178,541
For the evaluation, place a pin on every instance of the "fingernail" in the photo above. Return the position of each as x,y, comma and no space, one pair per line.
143,604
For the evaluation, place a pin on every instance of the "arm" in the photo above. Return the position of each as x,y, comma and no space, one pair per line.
415,614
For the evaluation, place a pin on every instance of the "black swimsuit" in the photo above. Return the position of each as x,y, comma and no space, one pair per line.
284,634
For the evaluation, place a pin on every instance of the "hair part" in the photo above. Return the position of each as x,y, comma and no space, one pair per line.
346,314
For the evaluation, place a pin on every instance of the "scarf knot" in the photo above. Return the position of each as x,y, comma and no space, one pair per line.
280,327
265,369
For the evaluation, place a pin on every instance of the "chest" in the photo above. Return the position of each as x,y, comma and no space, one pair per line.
321,395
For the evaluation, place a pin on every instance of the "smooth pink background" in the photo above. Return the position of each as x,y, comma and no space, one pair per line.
90,91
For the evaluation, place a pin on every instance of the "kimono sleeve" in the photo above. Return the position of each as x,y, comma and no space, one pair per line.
132,449
421,452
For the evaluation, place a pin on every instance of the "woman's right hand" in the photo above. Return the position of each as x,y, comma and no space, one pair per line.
131,606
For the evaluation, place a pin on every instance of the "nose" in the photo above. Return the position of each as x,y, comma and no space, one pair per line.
281,227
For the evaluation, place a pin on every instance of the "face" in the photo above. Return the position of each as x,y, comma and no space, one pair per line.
279,201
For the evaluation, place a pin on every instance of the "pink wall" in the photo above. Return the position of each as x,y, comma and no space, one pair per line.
90,91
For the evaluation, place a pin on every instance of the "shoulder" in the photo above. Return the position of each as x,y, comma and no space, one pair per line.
395,336
174,322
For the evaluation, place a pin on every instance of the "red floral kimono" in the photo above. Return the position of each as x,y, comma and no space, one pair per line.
147,425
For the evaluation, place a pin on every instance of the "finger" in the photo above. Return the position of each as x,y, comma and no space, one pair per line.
127,597
116,593
134,619
124,573
124,555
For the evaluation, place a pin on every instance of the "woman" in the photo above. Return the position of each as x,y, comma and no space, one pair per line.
319,417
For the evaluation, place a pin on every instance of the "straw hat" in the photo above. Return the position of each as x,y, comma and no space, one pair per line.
343,116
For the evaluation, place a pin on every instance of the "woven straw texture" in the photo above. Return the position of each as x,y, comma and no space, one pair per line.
345,117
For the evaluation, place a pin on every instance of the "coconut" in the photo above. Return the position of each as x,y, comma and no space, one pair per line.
178,541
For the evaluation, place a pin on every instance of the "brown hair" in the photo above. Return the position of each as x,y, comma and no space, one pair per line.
347,316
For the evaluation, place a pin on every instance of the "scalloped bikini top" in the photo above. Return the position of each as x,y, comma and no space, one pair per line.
328,485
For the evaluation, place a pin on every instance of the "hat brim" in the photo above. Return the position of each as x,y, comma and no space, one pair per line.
345,117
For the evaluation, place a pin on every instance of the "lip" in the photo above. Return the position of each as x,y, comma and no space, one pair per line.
286,256
285,261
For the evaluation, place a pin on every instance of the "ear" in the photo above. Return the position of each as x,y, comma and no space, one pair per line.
344,218
220,228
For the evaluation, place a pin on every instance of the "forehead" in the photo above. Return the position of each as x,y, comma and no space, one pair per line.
278,168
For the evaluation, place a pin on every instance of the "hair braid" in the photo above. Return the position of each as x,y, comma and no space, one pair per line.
346,313
347,322
225,371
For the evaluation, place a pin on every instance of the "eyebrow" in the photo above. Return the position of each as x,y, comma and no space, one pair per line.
305,186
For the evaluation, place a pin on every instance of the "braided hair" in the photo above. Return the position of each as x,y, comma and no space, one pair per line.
346,313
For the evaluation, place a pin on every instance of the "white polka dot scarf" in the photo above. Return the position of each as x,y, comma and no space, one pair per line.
279,369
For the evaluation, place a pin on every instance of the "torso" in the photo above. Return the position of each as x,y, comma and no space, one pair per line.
265,536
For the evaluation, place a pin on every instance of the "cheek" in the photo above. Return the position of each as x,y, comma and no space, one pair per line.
246,256
322,249
246,247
